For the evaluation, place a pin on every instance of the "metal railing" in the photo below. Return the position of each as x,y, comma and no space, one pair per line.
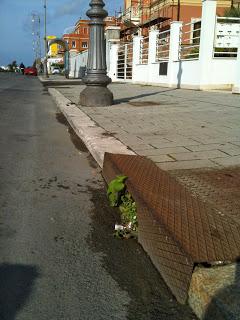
190,40
124,63
144,50
163,46
121,62
227,33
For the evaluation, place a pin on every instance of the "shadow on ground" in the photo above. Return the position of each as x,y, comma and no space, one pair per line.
131,268
143,95
226,303
16,284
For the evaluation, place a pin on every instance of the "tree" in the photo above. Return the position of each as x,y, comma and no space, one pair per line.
12,66
232,12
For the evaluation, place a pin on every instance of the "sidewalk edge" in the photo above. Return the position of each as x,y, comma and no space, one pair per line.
59,82
93,136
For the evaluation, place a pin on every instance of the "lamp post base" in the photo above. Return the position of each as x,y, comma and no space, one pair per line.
96,96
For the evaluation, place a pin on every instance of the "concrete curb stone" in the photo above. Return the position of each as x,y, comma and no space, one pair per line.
93,136
215,292
59,82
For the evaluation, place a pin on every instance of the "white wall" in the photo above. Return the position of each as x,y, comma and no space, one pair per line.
112,54
203,73
154,76
187,74
206,72
141,73
76,62
222,72
236,88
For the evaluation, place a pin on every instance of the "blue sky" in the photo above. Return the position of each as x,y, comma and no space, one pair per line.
16,30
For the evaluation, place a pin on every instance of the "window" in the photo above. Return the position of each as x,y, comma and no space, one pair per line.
84,44
74,44
85,30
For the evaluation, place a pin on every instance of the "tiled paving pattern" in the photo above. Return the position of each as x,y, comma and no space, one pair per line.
176,128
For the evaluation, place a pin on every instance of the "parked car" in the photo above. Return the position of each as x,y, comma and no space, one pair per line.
31,71
56,71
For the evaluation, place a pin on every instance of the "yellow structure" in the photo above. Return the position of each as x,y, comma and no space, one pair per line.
53,50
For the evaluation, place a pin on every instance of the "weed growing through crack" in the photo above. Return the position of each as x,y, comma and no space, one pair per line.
119,197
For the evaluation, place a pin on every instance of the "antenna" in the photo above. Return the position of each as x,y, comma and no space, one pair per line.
36,35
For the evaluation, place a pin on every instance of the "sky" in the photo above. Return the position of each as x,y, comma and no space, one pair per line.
16,26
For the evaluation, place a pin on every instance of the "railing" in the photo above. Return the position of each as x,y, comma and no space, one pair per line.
190,40
144,49
163,46
129,61
227,35
124,63
121,62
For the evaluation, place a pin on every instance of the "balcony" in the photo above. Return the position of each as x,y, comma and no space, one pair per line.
131,15
156,10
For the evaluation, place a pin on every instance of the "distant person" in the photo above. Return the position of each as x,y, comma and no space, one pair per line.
22,67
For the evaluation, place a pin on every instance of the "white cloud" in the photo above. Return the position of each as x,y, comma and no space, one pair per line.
72,7
79,7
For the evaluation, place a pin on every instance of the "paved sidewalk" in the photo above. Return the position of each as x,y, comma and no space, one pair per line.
176,128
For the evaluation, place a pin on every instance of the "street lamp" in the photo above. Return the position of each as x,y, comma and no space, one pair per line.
45,38
96,93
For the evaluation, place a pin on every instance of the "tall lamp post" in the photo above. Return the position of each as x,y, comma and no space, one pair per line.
45,38
96,92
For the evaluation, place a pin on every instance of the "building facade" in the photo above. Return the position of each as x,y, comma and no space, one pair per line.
78,40
140,16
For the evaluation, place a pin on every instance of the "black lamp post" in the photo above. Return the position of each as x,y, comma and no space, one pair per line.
96,93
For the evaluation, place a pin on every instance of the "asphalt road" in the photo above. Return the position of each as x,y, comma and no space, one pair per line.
58,257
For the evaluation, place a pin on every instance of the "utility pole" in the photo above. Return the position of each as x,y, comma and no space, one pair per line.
45,38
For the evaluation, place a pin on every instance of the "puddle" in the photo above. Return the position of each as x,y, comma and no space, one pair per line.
61,119
74,138
78,143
